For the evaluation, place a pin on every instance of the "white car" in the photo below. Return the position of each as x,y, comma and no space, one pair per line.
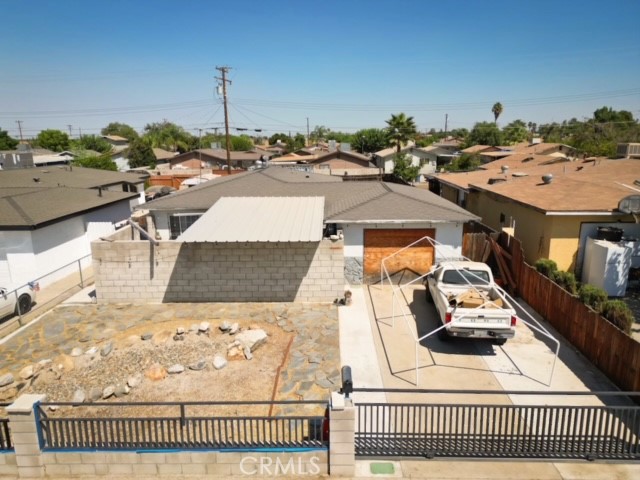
10,303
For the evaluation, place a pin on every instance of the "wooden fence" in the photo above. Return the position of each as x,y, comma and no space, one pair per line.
614,352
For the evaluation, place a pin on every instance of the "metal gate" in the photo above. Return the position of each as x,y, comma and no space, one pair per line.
609,431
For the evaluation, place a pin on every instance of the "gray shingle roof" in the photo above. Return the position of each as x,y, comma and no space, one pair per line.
54,176
344,201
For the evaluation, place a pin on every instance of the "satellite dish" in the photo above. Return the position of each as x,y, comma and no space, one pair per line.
630,204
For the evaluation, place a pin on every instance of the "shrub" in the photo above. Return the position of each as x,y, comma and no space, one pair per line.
566,280
618,313
592,296
546,266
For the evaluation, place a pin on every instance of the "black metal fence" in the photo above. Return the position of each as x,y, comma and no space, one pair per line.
499,431
182,430
5,437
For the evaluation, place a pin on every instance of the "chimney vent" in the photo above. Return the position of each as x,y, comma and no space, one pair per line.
547,178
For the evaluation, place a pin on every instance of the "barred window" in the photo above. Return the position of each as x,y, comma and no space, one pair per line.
180,222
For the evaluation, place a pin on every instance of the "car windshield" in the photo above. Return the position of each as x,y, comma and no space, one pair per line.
465,277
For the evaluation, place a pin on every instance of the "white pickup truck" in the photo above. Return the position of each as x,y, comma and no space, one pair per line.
468,302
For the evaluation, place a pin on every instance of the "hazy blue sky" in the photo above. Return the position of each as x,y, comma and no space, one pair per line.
343,64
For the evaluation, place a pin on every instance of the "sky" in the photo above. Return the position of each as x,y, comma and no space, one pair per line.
346,64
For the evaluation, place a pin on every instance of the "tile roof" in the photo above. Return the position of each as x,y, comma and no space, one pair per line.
585,186
365,201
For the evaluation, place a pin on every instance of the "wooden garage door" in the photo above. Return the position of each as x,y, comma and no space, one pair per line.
415,261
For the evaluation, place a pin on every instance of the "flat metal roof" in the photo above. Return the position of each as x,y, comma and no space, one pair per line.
259,219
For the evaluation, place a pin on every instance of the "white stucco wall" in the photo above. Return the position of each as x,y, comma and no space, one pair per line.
20,260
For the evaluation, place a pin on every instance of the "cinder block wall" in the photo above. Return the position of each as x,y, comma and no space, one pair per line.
138,271
8,465
130,464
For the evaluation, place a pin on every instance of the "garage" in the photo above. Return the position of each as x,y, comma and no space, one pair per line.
381,243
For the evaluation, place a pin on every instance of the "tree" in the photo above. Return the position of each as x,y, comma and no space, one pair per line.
497,111
464,163
370,140
54,140
401,129
241,143
515,132
140,154
283,137
297,142
168,136
403,169
120,129
91,142
484,133
6,142
100,162
608,114
319,133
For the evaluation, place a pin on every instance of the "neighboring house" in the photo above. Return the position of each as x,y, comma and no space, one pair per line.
215,159
346,164
119,150
551,215
162,155
479,149
375,218
116,140
425,158
49,216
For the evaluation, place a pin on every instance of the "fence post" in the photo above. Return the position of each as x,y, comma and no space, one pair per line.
24,434
342,426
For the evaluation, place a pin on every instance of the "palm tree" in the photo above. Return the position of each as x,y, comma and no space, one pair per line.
401,129
497,110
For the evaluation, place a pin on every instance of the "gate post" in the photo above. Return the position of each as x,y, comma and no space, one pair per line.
24,435
342,426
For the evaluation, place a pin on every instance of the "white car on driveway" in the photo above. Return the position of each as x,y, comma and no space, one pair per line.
14,302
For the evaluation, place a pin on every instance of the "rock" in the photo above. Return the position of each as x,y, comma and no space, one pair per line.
134,380
146,336
235,328
177,368
27,372
106,349
8,393
95,394
177,338
53,408
200,365
180,330
225,326
65,362
235,343
76,352
156,372
6,379
108,391
219,362
121,390
45,362
247,353
162,337
79,396
204,327
92,351
252,338
235,353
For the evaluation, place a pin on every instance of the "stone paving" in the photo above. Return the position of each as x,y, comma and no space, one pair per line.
311,372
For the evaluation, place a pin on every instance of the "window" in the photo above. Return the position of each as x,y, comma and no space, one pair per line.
465,277
180,222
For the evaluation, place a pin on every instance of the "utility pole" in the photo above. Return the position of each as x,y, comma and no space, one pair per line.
308,139
200,155
69,127
446,122
223,71
19,122
80,131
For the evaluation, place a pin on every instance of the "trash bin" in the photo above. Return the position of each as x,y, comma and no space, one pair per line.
612,234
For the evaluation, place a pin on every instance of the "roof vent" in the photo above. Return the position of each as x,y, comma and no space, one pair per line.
504,168
36,179
547,178
496,180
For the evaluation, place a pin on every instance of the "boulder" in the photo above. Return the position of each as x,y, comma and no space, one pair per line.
121,390
92,351
8,393
200,365
247,353
27,372
204,327
235,353
108,391
252,338
76,352
95,394
156,372
180,331
6,379
235,328
79,396
134,380
219,362
225,326
177,368
146,336
106,349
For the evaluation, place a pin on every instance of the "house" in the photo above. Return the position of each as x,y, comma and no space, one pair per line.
552,208
347,164
162,155
479,149
49,216
275,234
426,158
116,140
215,159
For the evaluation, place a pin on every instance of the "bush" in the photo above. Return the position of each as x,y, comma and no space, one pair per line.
546,266
618,313
566,280
592,296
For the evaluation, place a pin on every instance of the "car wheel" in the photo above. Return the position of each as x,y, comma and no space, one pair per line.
500,341
443,335
24,304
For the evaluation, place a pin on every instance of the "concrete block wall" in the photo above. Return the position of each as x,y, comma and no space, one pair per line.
138,271
8,465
